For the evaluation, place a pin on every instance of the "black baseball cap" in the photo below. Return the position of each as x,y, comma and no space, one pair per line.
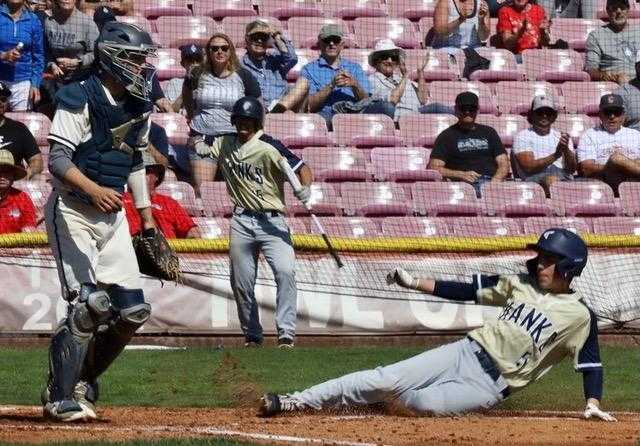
102,15
191,51
611,101
613,3
467,99
5,91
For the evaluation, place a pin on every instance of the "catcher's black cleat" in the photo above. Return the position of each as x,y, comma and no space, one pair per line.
269,405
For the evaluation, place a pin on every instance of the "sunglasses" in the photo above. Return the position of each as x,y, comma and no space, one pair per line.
545,112
259,37
468,109
216,48
333,39
613,111
393,57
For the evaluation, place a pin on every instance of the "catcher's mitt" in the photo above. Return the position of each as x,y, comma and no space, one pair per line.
155,256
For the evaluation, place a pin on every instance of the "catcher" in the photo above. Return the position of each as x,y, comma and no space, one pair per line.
99,129
542,321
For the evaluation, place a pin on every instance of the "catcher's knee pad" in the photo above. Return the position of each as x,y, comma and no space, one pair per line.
130,305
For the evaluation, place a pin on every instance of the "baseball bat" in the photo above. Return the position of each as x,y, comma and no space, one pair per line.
295,184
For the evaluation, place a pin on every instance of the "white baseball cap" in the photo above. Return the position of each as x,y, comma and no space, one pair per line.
542,101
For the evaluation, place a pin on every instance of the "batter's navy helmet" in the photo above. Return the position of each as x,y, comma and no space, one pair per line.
566,245
248,107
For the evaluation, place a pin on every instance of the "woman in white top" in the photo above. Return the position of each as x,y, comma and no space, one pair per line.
459,24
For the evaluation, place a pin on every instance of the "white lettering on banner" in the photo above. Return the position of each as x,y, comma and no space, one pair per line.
220,304
446,316
314,307
352,316
35,321
35,278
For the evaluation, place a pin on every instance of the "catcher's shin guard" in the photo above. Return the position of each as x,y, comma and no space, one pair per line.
131,313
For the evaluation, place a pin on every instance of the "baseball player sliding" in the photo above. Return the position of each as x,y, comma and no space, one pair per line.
98,131
249,163
542,321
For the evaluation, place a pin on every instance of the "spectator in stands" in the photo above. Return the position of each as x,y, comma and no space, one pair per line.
69,39
190,55
468,151
17,212
336,84
41,8
523,25
543,154
119,7
171,218
389,85
630,93
609,151
209,94
21,53
17,139
570,9
459,24
612,48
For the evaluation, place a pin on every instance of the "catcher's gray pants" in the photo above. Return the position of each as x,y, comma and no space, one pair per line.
252,233
444,381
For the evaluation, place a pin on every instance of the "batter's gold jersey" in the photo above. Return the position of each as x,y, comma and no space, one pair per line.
254,179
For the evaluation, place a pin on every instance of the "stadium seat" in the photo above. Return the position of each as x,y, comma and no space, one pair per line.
175,125
324,200
584,97
298,130
537,225
153,9
168,64
446,92
215,199
284,9
441,66
629,192
422,130
582,198
303,31
502,67
414,227
336,164
360,56
506,125
616,225
411,9
176,31
38,191
304,57
169,175
485,227
445,199
37,123
139,21
516,97
213,228
374,199
362,130
353,9
574,125
370,29
219,9
515,199
297,225
402,164
554,65
574,31
351,227
183,193
234,27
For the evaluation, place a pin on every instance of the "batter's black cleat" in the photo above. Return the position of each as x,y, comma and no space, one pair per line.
272,404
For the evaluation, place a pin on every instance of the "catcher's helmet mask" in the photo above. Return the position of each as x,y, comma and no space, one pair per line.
566,246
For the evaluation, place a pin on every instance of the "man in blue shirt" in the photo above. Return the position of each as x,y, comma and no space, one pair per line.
338,85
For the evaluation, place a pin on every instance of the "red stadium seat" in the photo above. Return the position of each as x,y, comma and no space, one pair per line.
364,130
215,199
213,228
582,198
351,10
485,227
38,191
502,67
374,199
445,199
515,199
441,66
414,227
304,57
284,9
168,64
219,9
324,200
304,31
352,227
446,92
298,130
175,125
152,9
234,27
554,65
402,164
584,97
630,197
574,125
336,164
574,31
37,123
616,225
537,225
516,97
176,31
183,193
411,9
297,225
506,125
368,30
422,130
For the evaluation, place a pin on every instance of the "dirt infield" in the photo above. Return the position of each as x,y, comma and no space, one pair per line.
25,424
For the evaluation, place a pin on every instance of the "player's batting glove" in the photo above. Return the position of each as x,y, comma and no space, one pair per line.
402,278
593,411
303,194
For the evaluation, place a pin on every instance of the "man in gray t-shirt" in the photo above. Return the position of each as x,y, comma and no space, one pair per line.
611,49
630,93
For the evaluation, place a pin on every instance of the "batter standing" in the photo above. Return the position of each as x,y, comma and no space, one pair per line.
248,161
542,322
98,131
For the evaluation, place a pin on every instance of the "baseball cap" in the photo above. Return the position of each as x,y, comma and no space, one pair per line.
609,101
611,3
467,98
102,15
191,51
6,159
5,91
330,30
542,101
257,26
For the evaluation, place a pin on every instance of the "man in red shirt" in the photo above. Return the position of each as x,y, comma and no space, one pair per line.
171,218
17,212
522,26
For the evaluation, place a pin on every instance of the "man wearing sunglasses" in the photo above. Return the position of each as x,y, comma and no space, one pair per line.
609,151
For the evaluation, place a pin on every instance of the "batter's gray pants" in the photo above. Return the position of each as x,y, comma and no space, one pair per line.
250,235
447,380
